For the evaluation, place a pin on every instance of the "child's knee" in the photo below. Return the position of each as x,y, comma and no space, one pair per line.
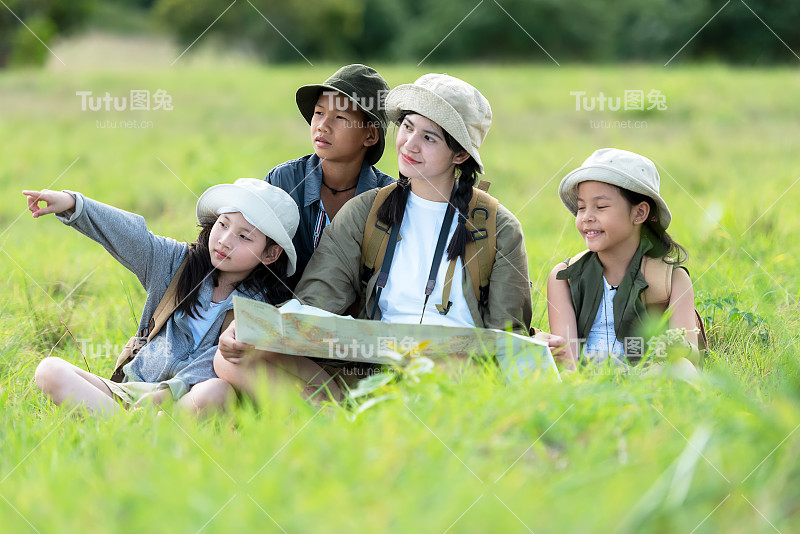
218,390
212,392
50,373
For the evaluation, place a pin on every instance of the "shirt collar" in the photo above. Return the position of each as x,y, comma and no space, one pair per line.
313,180
367,180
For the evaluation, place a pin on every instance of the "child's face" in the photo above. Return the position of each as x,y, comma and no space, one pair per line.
422,151
339,130
237,247
605,219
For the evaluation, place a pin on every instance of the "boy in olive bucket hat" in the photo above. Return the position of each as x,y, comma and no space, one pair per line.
348,122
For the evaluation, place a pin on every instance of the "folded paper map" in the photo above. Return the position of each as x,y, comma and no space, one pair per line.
302,330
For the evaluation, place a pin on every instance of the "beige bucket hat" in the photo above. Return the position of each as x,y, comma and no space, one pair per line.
616,167
456,106
268,208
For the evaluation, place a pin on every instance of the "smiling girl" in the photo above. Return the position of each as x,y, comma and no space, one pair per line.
596,300
244,248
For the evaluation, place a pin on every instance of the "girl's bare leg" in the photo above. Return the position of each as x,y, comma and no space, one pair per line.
207,397
279,371
68,384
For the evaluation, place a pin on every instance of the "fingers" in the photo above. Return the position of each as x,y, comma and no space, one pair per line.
34,197
233,350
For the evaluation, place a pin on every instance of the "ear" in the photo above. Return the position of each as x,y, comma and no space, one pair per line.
461,157
272,254
640,212
373,135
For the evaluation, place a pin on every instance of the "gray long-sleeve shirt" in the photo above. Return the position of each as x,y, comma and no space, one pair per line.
171,358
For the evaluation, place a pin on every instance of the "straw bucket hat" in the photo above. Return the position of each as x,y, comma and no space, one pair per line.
456,106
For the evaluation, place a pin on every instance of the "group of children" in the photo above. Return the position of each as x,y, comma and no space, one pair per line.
332,231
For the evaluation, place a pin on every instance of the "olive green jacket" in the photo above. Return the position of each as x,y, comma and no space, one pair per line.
332,279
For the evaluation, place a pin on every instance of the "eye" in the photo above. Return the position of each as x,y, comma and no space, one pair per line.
406,126
581,208
601,207
430,139
222,224
342,117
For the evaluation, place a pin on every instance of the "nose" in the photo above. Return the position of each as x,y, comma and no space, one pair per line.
411,143
323,124
225,240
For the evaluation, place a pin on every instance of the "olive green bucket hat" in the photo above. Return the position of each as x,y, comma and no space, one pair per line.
363,86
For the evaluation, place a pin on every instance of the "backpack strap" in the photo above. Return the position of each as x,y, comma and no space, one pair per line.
166,307
481,251
376,237
658,275
448,285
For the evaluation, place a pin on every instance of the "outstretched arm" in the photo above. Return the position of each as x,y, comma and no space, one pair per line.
124,235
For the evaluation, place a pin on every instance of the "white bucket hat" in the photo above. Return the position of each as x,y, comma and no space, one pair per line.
268,208
616,167
456,106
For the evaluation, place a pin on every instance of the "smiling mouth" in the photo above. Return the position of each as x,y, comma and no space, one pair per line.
321,141
220,255
592,233
409,160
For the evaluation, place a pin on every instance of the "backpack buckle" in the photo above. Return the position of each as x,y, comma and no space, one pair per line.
479,234
444,309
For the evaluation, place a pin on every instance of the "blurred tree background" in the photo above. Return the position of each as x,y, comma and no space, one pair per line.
364,30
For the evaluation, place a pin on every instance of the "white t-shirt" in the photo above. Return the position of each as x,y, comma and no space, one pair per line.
402,299
204,321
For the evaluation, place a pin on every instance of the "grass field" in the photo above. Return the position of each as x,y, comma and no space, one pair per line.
595,453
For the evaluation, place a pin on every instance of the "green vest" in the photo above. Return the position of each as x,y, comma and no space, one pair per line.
585,278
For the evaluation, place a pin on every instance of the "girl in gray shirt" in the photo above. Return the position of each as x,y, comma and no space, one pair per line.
244,248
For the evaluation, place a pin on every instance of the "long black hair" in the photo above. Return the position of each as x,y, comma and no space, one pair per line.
265,281
663,245
393,207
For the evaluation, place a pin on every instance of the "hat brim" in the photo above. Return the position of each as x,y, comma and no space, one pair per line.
423,101
307,97
257,210
568,189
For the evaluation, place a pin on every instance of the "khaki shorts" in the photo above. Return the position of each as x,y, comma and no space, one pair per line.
129,392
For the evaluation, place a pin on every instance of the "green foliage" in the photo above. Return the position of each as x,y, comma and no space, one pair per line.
44,20
513,30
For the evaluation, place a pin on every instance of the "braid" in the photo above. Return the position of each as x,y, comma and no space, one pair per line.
391,211
460,199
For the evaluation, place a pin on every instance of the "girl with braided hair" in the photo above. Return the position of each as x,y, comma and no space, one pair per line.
442,122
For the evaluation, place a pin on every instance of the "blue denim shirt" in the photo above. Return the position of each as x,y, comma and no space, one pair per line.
302,179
